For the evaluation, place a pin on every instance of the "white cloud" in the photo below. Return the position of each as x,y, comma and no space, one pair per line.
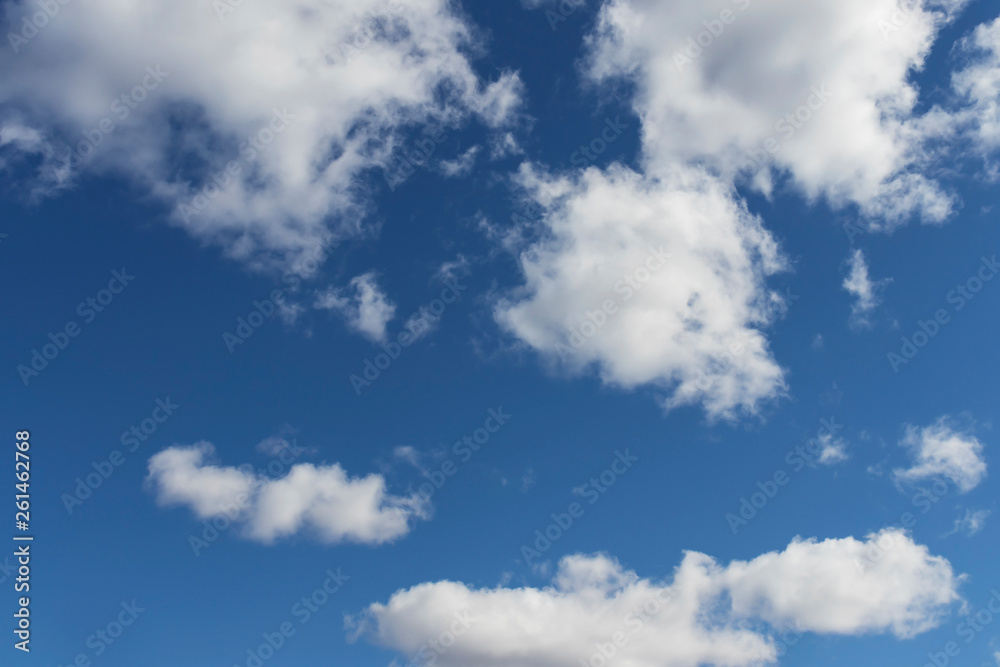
323,499
504,145
355,74
707,613
980,84
460,166
834,450
683,265
273,446
421,323
941,451
19,142
25,139
181,477
452,269
971,523
865,291
823,93
365,306
528,480
409,454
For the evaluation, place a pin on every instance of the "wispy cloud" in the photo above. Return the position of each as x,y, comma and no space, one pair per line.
971,523
865,291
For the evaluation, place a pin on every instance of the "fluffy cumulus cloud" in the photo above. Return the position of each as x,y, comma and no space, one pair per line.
730,93
365,306
706,614
820,91
980,83
859,284
321,499
652,281
298,99
942,451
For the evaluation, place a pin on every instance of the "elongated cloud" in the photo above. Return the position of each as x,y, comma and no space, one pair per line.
299,99
859,284
706,614
322,500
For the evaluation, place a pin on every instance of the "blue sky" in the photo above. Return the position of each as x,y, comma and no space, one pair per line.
632,372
